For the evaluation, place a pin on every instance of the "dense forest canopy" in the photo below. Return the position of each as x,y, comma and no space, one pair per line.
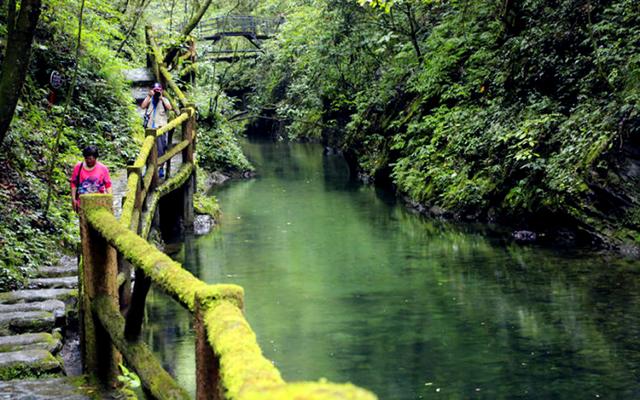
518,112
523,113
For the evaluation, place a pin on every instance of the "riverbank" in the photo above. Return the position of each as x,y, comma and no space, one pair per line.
515,113
341,279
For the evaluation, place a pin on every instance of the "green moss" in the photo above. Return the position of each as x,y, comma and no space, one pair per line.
152,203
42,340
155,379
206,205
170,185
166,273
177,180
242,365
174,122
69,297
46,366
211,294
127,208
145,150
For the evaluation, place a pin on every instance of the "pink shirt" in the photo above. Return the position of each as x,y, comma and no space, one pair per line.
95,181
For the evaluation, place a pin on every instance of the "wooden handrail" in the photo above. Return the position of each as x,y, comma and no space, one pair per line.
169,275
245,372
174,151
145,150
173,124
229,361
166,75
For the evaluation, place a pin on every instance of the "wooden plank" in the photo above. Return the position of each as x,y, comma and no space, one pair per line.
172,125
174,151
148,178
167,76
145,150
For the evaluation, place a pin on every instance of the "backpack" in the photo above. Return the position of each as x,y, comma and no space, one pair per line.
77,182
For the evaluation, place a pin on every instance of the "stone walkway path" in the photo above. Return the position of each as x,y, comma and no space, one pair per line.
35,323
38,325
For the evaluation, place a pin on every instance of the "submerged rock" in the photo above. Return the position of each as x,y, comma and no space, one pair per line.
202,224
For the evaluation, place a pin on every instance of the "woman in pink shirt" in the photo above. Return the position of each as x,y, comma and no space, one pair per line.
89,176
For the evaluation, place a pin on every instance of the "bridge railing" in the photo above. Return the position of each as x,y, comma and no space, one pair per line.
239,24
229,362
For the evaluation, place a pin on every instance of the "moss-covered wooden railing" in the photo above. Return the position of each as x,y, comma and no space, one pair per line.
229,362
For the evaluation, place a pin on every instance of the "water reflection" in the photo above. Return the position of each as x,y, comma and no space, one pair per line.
345,285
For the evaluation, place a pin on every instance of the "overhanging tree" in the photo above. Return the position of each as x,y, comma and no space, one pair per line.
21,26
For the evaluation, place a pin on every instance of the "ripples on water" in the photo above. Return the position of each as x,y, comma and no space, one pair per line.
342,283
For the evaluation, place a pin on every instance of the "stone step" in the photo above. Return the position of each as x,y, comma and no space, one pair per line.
32,295
51,388
57,271
26,341
66,266
139,76
68,282
28,321
47,305
32,362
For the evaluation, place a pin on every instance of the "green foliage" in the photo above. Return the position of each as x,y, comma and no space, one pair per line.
218,149
101,113
131,386
479,109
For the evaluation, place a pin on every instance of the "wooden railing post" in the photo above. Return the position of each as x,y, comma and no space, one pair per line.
188,211
99,276
167,169
208,384
188,133
135,314
152,161
124,266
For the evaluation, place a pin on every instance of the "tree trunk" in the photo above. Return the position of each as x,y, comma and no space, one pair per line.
16,60
173,51
413,34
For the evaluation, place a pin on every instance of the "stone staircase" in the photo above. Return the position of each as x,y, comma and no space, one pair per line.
36,326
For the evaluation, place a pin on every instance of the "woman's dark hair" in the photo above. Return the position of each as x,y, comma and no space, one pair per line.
90,151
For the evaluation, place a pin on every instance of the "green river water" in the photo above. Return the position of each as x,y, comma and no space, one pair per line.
342,282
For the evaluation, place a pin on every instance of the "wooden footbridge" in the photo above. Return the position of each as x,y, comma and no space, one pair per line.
253,29
229,362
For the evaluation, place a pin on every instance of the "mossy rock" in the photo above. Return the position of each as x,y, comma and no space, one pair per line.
28,363
26,321
30,341
63,282
59,271
51,388
34,295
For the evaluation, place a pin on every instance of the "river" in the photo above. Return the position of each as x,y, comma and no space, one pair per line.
344,283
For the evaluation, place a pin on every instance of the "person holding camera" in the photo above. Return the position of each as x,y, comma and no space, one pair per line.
156,107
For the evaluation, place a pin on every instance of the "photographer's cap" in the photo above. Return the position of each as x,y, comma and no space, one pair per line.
157,87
